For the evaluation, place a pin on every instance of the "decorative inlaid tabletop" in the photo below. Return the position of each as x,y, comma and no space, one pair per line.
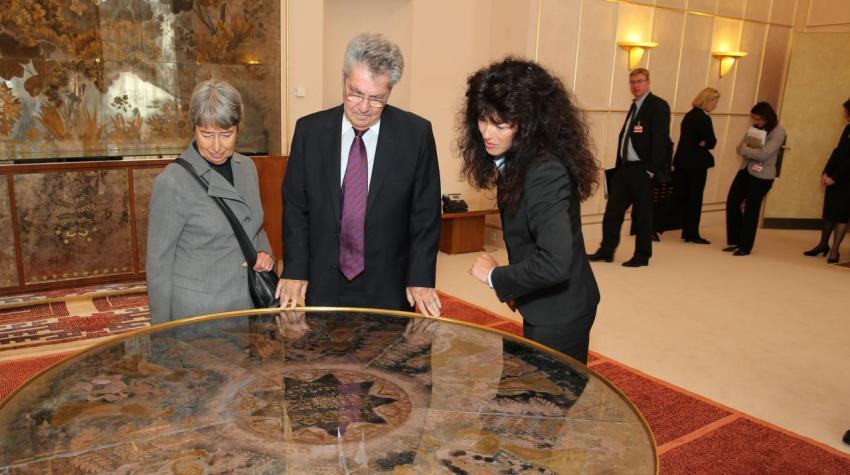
321,391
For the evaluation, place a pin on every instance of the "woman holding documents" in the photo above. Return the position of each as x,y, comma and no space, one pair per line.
523,135
759,150
836,198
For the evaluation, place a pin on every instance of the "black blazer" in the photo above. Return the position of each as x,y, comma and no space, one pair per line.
652,143
402,209
696,127
549,275
838,165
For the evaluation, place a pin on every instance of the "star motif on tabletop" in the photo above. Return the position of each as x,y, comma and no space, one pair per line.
325,403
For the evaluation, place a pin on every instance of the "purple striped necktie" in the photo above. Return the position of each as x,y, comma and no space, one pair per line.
355,191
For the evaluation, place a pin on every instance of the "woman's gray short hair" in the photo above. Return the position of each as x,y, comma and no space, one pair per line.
215,102
379,54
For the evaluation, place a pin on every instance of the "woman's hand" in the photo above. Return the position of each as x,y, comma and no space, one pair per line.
264,263
482,266
826,180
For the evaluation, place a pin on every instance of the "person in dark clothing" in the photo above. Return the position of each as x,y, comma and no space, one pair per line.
692,161
836,199
523,134
643,157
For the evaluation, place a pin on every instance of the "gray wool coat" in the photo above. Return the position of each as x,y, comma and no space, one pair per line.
194,263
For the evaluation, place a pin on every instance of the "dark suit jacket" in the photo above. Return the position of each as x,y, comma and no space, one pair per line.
838,165
549,275
696,127
652,144
402,210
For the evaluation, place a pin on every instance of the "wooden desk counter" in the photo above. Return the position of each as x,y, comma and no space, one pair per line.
463,232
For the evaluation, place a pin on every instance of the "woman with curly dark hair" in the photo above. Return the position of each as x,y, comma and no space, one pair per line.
523,135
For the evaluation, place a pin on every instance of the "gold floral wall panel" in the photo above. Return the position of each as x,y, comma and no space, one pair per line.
74,224
142,185
8,263
95,78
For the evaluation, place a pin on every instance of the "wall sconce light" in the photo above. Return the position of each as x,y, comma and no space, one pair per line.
727,59
636,50
253,66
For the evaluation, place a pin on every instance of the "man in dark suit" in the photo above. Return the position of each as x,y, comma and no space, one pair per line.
643,154
362,196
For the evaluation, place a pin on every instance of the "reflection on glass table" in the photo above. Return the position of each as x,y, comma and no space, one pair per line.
321,391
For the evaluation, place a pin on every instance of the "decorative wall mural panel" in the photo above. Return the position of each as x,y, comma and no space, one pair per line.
74,224
8,263
94,77
142,185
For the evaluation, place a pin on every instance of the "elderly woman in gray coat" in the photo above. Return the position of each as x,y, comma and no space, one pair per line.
194,263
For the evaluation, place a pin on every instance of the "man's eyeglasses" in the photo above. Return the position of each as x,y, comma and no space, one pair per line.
355,98
637,81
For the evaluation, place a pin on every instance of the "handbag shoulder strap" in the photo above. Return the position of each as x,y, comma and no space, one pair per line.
238,230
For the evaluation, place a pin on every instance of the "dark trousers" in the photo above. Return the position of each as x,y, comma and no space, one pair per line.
690,188
630,185
572,340
743,205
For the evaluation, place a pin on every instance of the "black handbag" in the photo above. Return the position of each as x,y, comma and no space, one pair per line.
261,285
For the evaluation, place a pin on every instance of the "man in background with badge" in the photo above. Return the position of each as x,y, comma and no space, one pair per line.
644,154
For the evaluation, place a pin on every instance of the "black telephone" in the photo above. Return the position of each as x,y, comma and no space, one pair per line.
453,203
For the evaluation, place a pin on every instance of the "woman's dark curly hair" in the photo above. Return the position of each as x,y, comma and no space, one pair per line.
549,125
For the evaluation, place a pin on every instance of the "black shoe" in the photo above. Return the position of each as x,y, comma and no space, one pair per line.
730,249
846,438
601,255
832,260
698,240
636,262
816,250
655,237
741,252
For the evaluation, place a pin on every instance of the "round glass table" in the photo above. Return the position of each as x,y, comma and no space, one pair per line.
321,391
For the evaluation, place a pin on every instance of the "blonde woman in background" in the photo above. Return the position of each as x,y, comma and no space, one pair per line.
692,161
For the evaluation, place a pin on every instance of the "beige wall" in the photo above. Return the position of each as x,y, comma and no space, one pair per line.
818,83
828,16
444,41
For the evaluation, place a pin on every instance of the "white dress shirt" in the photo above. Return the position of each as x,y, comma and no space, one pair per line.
631,155
370,139
499,161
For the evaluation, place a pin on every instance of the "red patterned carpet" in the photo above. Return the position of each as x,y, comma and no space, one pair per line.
694,435
69,316
15,372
